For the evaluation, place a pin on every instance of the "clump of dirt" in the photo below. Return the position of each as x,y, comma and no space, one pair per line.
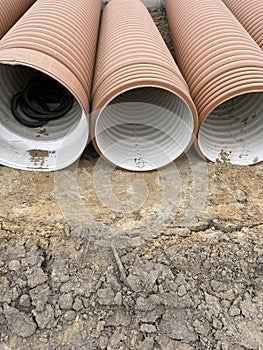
42,132
38,156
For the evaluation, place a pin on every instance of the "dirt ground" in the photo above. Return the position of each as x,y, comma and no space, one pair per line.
97,258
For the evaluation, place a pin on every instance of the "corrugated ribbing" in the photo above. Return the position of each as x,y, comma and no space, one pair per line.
250,15
57,37
10,12
143,115
223,67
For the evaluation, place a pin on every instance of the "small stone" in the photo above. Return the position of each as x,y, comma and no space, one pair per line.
226,303
118,299
134,283
103,342
35,277
148,328
14,265
21,283
216,323
105,296
78,305
161,290
100,326
44,318
181,291
24,300
240,196
70,315
19,323
142,304
234,311
65,301
218,286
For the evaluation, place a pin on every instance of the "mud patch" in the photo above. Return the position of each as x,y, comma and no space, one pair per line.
38,156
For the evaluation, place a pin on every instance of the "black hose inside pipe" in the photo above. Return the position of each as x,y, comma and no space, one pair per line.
42,100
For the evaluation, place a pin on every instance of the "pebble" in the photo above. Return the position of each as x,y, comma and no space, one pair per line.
35,277
118,299
25,300
234,311
14,265
65,301
181,291
103,340
100,326
105,296
218,286
148,328
217,324
77,305
44,318
69,315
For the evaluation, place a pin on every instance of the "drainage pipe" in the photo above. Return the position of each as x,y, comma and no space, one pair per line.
250,15
143,116
58,39
223,67
10,12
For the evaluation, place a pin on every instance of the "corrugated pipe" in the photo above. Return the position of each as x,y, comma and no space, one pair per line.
143,116
11,11
223,67
250,15
58,39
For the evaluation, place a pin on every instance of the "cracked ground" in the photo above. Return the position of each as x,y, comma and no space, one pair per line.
184,275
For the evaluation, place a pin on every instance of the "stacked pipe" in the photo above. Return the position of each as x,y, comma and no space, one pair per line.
143,116
250,15
10,12
57,39
223,67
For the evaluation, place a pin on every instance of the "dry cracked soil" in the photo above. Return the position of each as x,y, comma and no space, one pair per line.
179,268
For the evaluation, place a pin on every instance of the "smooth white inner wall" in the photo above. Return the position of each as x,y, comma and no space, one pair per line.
233,132
63,139
144,128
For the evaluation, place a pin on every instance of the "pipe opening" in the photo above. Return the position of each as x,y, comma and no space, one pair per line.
233,131
144,128
52,146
